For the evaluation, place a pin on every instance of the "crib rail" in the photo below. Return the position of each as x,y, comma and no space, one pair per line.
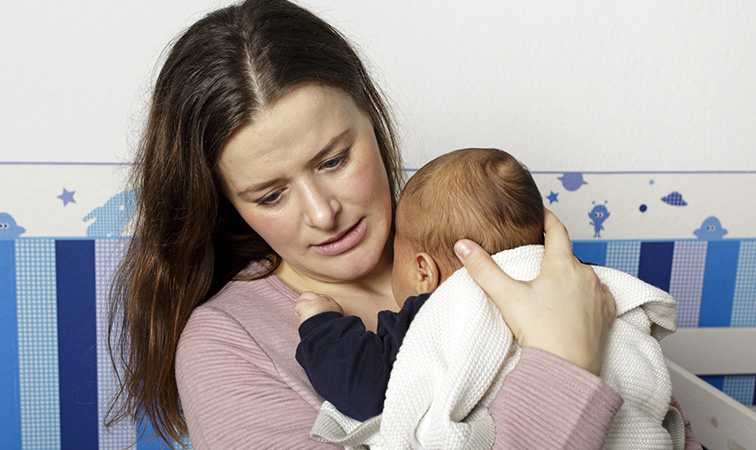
719,421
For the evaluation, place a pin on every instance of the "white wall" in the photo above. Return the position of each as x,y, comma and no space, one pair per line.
580,85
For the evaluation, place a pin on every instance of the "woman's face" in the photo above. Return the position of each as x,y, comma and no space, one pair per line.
308,177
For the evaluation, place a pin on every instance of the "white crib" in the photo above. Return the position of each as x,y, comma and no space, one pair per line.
719,421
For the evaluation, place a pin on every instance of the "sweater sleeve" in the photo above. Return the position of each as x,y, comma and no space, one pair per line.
549,403
231,393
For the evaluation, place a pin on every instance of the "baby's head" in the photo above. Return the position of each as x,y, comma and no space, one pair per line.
484,195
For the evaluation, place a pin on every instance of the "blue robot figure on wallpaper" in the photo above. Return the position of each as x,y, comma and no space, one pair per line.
598,215
572,180
710,229
9,228
113,216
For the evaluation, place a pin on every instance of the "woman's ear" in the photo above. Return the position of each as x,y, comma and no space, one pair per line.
428,275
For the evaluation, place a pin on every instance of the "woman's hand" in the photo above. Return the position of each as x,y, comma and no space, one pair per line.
565,310
310,303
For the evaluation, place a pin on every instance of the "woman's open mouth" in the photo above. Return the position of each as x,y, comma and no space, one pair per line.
344,241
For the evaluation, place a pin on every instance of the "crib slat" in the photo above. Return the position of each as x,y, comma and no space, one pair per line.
713,351
718,421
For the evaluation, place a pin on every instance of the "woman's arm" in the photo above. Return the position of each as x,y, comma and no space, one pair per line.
549,403
231,393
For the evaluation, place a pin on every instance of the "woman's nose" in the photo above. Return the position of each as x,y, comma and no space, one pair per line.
320,206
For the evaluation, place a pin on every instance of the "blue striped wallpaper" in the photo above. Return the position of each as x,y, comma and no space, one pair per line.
77,337
713,282
56,378
10,419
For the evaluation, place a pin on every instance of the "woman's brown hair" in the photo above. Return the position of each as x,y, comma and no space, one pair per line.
189,240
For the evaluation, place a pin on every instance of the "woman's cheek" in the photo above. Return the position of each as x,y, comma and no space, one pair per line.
270,227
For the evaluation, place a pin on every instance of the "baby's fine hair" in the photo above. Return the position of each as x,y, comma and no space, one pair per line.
482,194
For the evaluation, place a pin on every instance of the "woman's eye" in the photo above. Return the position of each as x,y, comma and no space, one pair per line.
331,163
270,199
335,162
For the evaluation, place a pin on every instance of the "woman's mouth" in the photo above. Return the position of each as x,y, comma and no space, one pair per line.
342,242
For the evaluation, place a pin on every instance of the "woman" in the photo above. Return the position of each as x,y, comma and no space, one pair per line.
269,167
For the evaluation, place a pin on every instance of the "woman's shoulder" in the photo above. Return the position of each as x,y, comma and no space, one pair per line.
247,293
249,327
244,313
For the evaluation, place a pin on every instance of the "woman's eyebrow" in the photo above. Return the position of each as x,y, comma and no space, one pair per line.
324,151
248,191
329,147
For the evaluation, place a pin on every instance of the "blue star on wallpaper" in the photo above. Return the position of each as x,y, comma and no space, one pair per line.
552,197
67,197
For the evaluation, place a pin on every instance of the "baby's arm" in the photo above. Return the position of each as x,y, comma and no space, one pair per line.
309,304
346,364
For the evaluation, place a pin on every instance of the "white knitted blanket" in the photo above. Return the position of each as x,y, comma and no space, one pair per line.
458,350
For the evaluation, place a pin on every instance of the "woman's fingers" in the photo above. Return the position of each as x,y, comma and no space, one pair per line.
556,238
482,267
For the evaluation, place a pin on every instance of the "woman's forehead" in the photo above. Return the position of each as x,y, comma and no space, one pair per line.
307,115
302,124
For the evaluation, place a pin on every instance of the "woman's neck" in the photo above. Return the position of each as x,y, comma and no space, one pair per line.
363,297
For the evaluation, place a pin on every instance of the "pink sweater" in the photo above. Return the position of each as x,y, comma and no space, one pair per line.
241,387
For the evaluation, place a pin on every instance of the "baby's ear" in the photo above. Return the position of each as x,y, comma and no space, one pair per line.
428,275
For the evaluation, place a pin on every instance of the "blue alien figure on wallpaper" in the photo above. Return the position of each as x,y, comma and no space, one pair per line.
9,228
113,216
675,199
710,229
598,215
572,180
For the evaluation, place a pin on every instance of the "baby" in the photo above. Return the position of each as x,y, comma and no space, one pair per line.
484,195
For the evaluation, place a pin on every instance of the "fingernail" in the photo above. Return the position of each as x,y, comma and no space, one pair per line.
462,250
